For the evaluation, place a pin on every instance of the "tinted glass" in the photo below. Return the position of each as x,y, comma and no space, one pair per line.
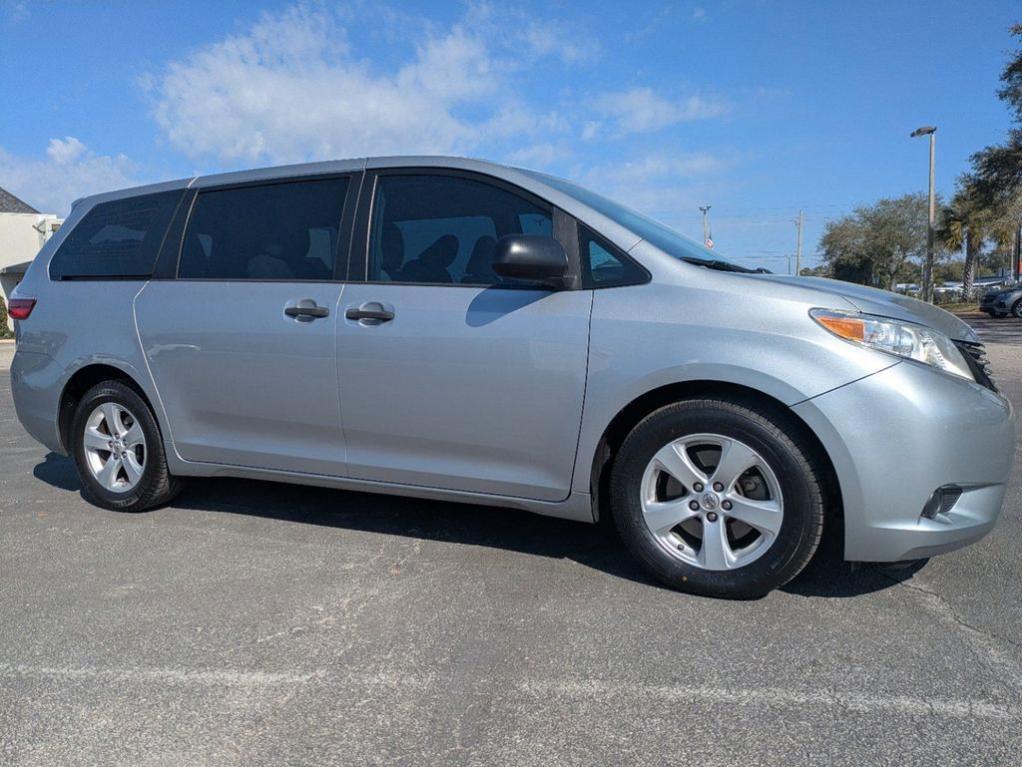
604,265
286,231
443,229
116,240
663,237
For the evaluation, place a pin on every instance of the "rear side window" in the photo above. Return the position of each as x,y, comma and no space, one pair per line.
119,239
439,229
285,231
606,266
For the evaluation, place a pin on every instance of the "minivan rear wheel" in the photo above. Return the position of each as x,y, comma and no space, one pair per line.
118,452
718,497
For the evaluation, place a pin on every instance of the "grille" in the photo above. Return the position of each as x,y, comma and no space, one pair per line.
976,355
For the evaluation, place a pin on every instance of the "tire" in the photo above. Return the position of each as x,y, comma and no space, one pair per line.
142,480
1016,309
786,477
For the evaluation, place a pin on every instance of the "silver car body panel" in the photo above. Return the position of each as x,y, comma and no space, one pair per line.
268,404
912,442
885,303
506,405
468,389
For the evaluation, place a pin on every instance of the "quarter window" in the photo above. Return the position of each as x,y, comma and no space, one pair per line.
119,239
604,265
439,229
285,231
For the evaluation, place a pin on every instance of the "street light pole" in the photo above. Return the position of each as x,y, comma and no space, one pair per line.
931,228
706,223
799,222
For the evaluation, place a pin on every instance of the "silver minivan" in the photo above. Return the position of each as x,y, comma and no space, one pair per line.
463,331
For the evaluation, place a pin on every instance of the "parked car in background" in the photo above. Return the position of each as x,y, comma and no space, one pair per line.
464,331
1002,302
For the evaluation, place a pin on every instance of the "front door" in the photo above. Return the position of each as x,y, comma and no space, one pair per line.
241,344
450,378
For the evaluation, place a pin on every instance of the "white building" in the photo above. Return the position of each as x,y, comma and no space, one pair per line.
23,231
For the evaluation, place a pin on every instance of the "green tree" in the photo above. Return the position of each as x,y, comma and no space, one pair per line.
966,223
876,244
969,222
995,184
5,331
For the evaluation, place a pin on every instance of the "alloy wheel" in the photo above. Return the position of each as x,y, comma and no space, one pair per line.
712,501
115,447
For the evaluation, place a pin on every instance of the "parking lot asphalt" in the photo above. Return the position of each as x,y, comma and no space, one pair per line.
262,624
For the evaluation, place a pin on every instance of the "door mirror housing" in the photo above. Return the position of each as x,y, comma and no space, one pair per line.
531,258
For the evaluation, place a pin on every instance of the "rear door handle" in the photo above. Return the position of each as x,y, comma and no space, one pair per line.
370,313
306,310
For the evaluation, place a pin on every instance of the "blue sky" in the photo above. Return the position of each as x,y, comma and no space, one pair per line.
756,108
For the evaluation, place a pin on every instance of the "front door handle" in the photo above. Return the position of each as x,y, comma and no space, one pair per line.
306,310
370,313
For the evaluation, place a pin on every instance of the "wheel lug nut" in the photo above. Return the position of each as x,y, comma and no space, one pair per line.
711,516
726,505
718,486
698,487
694,505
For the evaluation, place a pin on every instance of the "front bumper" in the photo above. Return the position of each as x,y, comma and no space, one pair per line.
898,435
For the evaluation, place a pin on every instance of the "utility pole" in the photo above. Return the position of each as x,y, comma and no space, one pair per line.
706,225
931,228
799,222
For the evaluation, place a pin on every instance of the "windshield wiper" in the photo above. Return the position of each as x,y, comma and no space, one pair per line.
722,266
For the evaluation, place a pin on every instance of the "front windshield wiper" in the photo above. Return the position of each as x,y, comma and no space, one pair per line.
719,265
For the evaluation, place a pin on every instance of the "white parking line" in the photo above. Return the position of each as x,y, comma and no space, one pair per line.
544,690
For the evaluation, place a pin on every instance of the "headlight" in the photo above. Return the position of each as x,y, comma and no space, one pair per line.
904,339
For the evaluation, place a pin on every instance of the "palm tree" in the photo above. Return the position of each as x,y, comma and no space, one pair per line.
964,223
973,219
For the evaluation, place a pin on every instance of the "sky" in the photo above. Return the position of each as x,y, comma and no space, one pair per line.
757,109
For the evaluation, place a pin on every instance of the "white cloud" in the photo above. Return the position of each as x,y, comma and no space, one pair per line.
698,13
659,166
294,87
291,88
70,170
16,10
64,151
659,184
641,110
554,38
537,156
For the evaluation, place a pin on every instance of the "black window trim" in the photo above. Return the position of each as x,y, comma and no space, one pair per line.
341,257
584,231
166,260
358,270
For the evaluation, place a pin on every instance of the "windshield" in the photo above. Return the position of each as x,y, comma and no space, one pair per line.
657,234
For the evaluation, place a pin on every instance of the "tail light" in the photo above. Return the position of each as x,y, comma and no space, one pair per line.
20,308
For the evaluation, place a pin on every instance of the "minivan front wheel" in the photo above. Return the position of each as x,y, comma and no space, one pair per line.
118,452
718,497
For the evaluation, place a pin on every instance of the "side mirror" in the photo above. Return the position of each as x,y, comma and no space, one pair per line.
531,258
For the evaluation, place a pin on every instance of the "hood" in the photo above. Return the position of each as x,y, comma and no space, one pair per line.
884,303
